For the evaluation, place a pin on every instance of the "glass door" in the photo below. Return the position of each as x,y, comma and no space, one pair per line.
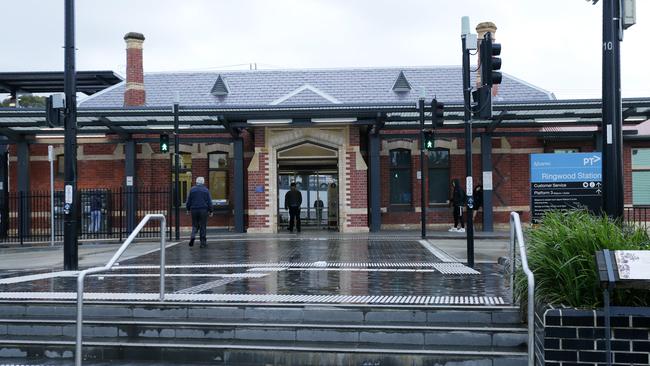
319,208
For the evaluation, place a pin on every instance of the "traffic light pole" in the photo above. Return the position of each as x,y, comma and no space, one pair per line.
468,152
71,204
613,196
423,165
177,169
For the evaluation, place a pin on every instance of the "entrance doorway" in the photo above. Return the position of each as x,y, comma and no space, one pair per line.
319,189
314,169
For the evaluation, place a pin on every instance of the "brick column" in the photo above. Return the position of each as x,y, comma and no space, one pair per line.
356,195
481,29
134,94
258,176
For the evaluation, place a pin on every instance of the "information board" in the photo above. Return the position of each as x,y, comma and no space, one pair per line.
565,181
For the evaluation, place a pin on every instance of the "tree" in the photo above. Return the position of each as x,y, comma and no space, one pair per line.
27,101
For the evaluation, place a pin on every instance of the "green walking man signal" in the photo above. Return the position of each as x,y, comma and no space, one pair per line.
429,140
164,143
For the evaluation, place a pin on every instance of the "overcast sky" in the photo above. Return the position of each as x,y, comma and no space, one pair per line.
554,44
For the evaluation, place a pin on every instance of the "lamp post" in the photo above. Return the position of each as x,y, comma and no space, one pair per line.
71,202
177,168
423,165
468,138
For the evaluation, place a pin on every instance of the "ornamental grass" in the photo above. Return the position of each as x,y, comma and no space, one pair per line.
561,253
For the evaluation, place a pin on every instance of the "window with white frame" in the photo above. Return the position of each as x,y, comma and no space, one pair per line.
566,151
641,176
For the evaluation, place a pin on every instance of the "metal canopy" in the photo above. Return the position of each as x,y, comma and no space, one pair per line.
584,115
88,82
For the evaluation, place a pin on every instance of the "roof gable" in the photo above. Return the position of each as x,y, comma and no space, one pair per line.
306,94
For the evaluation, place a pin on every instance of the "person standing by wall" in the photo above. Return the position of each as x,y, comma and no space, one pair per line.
292,202
199,204
95,212
478,200
457,202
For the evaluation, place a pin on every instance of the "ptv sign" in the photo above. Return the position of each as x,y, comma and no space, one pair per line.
591,160
564,182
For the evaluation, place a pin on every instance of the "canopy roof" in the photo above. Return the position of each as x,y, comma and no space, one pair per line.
88,82
21,122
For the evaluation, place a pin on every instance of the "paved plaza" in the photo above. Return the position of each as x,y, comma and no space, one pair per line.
310,268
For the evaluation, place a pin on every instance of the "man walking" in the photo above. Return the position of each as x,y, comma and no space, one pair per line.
199,204
292,202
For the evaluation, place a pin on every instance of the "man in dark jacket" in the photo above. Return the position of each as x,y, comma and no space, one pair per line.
199,204
292,202
457,201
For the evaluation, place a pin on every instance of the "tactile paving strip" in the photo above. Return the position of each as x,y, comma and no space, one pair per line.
264,298
294,265
455,268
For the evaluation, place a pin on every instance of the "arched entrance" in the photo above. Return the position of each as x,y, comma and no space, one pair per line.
314,168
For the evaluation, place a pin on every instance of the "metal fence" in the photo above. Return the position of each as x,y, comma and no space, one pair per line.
26,216
638,216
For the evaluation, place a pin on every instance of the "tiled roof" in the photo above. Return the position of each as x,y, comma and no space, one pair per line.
345,86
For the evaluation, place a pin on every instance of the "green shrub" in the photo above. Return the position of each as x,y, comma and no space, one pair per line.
561,255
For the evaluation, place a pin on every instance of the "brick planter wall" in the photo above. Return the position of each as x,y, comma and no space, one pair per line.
577,337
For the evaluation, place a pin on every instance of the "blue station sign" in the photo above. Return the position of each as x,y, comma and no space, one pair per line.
565,181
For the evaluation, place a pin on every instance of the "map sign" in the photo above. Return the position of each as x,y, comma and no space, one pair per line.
565,181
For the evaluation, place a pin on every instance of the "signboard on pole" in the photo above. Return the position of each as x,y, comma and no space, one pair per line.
564,182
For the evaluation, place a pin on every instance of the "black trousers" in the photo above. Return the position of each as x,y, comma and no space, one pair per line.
458,216
294,215
199,222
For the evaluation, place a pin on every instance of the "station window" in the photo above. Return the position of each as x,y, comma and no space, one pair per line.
60,165
185,174
439,176
400,177
566,151
218,177
641,176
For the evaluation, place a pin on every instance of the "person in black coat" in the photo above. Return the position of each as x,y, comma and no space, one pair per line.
457,202
292,202
478,199
199,204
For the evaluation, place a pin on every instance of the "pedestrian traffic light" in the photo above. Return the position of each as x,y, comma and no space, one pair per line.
437,113
164,143
489,62
429,142
483,99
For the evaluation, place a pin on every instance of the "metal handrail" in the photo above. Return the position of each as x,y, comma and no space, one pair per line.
516,234
82,275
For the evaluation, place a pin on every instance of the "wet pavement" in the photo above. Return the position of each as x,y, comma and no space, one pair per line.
305,265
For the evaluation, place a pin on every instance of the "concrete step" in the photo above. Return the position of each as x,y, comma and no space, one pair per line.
389,334
258,353
292,313
266,334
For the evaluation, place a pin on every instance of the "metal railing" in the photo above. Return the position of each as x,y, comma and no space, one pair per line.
82,275
34,216
517,235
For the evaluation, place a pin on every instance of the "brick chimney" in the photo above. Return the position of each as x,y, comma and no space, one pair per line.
481,29
134,94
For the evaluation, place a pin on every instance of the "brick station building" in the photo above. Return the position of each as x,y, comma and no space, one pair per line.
349,137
